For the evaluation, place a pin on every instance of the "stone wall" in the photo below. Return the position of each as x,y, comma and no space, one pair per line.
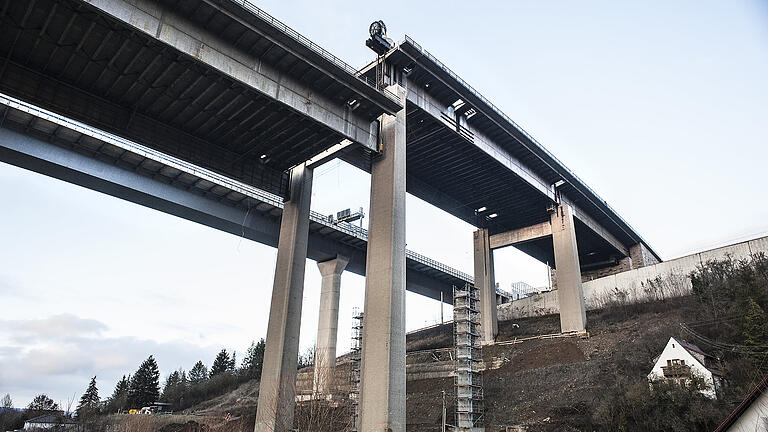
653,282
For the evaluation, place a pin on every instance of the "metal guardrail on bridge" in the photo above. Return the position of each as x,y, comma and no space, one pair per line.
274,22
519,128
210,176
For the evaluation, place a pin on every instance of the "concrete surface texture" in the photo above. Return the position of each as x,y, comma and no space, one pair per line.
183,35
486,286
276,396
654,282
328,324
382,379
573,314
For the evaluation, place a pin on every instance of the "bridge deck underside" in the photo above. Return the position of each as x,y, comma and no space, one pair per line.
258,213
447,162
70,58
447,169
451,165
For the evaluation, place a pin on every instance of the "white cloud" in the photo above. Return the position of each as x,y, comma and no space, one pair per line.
55,327
57,355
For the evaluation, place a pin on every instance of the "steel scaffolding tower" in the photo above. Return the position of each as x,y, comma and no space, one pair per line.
468,381
354,371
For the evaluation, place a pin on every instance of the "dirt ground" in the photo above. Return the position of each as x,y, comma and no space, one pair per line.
554,384
538,385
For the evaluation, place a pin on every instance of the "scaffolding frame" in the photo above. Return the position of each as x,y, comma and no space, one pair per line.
354,369
468,380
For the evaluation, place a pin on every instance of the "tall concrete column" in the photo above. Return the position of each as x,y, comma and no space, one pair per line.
328,324
382,380
486,285
573,315
278,378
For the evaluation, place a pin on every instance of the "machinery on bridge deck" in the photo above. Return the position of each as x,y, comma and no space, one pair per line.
380,44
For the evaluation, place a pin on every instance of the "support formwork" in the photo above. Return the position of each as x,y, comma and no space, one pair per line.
468,381
354,368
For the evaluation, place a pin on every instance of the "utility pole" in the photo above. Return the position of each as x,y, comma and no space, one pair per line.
443,429
441,308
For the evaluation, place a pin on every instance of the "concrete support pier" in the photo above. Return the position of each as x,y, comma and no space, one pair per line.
278,379
486,286
573,313
382,380
328,325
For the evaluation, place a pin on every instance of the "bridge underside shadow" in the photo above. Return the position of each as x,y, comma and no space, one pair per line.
54,146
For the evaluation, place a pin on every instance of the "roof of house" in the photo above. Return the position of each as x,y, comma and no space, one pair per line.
744,405
52,418
691,347
692,350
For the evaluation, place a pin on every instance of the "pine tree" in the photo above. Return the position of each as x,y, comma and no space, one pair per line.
172,381
119,399
221,363
254,360
755,329
89,402
175,387
145,385
198,373
232,362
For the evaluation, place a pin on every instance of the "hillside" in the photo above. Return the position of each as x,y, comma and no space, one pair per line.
556,384
559,384
535,382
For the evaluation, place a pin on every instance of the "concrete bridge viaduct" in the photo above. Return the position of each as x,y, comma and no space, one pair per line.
243,108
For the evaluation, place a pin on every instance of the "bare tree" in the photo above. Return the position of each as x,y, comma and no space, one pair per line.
7,402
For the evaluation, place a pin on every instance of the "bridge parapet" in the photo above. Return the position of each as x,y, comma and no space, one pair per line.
422,262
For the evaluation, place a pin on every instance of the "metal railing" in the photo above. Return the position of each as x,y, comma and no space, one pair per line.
298,37
362,234
438,265
498,111
213,177
141,150
479,95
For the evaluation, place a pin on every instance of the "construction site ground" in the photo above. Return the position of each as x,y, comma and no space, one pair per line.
547,384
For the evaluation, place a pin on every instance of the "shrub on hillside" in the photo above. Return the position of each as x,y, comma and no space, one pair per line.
725,316
659,406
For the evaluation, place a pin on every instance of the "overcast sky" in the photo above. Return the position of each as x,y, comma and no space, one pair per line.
659,106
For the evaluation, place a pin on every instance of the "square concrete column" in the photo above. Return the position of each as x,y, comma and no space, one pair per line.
278,378
570,294
328,324
382,380
485,283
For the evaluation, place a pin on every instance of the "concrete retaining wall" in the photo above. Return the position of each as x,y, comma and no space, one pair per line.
654,282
